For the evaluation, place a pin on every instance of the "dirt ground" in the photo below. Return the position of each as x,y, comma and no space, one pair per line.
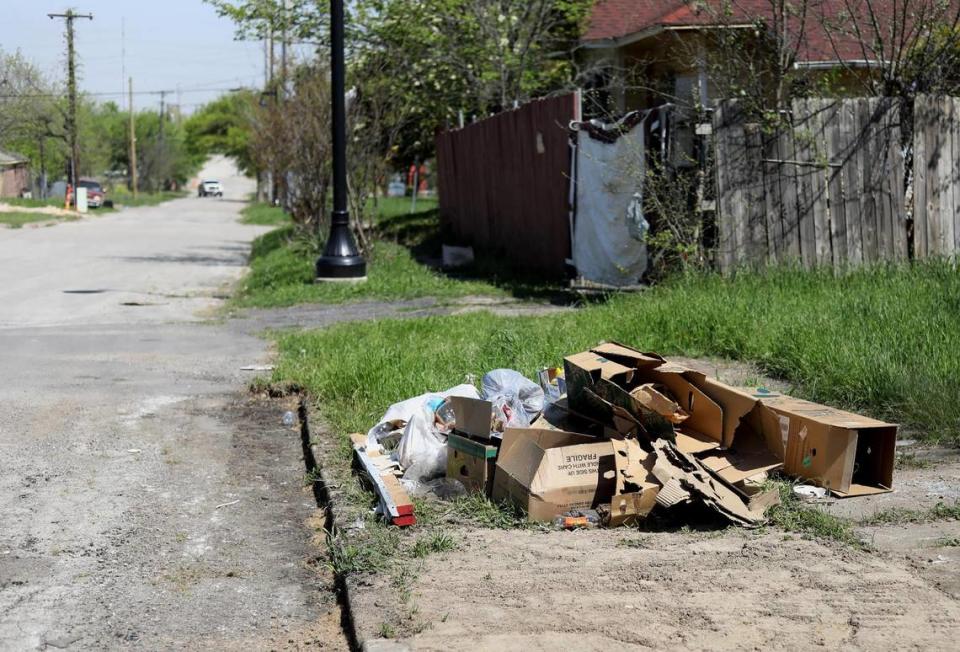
728,589
733,590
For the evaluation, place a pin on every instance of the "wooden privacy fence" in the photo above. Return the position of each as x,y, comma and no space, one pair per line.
504,183
827,188
936,187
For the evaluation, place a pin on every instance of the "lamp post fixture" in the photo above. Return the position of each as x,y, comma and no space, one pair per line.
340,260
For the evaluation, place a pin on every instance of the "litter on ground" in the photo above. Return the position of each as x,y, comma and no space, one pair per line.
614,435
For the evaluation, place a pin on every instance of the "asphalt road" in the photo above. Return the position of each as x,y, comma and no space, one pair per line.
146,499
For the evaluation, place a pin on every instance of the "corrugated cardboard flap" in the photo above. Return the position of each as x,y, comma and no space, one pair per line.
628,356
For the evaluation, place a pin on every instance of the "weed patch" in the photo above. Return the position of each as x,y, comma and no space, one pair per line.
794,516
436,542
902,515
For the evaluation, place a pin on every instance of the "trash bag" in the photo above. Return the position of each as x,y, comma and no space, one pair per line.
399,414
442,488
422,450
517,397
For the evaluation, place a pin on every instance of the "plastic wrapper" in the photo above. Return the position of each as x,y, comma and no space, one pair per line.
516,399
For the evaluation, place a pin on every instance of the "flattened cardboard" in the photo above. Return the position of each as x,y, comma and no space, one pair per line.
583,370
848,454
627,356
636,489
693,442
549,472
706,415
652,399
556,416
631,508
631,411
673,465
471,462
634,466
736,404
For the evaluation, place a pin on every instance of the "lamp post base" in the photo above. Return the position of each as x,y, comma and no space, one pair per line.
340,268
340,260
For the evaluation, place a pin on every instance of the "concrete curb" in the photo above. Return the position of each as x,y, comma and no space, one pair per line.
321,491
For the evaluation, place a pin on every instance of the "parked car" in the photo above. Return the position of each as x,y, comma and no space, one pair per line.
210,188
95,192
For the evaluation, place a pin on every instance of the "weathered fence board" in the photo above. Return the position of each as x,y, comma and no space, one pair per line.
504,183
831,181
936,160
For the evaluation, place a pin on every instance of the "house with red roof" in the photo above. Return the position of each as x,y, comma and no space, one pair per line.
671,45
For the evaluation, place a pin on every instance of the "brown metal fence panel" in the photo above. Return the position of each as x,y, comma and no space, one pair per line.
827,187
504,183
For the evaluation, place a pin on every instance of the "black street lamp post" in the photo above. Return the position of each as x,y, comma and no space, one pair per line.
340,260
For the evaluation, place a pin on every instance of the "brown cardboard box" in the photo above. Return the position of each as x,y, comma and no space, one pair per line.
739,434
549,472
473,416
471,462
849,454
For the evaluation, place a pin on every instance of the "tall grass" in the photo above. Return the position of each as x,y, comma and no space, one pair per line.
264,215
884,341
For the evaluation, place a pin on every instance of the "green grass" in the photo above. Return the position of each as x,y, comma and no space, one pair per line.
902,515
122,197
282,264
793,515
32,203
264,215
16,220
884,341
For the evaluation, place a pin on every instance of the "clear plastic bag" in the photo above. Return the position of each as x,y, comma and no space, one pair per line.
514,396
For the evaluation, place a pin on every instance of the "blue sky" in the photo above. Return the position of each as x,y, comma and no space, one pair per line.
169,44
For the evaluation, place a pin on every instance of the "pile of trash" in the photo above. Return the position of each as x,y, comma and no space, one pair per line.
614,434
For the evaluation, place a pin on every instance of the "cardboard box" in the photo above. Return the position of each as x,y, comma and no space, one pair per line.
472,463
738,434
600,382
473,416
849,454
548,472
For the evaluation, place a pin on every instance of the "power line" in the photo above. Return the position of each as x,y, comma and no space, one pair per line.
113,94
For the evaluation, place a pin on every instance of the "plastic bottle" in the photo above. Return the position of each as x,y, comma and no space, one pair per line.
288,418
578,518
445,415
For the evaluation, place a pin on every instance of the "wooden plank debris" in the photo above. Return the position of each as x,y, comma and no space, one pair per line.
394,502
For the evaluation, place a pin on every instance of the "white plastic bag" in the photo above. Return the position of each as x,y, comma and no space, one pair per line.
516,396
399,414
422,450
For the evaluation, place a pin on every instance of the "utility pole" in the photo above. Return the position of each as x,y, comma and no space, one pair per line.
133,146
163,95
283,50
271,55
69,17
123,53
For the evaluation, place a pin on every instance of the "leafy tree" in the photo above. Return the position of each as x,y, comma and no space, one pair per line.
225,126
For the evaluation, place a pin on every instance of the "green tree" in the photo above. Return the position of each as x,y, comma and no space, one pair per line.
225,126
